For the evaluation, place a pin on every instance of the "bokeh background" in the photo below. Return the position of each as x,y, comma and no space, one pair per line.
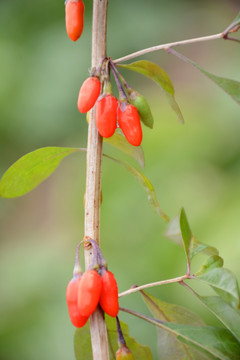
196,165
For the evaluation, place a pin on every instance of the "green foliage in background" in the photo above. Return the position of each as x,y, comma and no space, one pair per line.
196,166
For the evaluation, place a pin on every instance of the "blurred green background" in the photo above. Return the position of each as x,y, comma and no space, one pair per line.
196,165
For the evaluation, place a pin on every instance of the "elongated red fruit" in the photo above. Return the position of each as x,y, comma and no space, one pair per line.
129,122
74,18
71,296
89,291
88,94
106,115
109,294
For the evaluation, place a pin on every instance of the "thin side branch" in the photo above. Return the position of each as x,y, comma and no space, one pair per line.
179,279
222,35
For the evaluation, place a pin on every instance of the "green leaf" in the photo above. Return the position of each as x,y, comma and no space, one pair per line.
228,315
157,74
186,234
82,342
231,87
223,282
212,262
192,245
216,342
168,345
198,247
147,185
119,141
31,169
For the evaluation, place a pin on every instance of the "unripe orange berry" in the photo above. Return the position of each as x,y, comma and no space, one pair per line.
71,296
88,94
89,291
106,115
129,122
74,18
109,294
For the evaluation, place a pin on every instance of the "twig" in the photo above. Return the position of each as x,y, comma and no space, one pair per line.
157,283
222,35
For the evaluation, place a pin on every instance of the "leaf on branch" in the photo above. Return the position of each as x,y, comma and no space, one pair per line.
224,282
82,342
192,245
169,347
231,87
198,247
214,261
31,169
147,185
211,342
186,234
228,315
157,74
119,141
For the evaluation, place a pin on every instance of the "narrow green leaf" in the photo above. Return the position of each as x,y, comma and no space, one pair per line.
228,315
218,342
174,233
212,262
82,342
168,344
186,233
231,87
198,247
147,185
119,141
223,282
31,169
157,74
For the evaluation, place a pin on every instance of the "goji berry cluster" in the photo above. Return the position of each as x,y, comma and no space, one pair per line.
74,18
96,286
111,113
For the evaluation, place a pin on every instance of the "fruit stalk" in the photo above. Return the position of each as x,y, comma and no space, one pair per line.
93,178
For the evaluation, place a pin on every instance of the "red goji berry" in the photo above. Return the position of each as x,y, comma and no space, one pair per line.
89,291
88,94
74,18
106,115
129,122
109,294
71,296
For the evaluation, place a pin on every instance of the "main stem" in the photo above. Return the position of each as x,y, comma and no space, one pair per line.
93,179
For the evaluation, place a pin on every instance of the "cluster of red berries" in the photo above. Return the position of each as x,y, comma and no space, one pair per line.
74,18
96,286
110,112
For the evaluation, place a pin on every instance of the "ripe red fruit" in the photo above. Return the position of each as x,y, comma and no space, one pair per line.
74,18
106,115
89,291
129,122
109,294
71,296
88,94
